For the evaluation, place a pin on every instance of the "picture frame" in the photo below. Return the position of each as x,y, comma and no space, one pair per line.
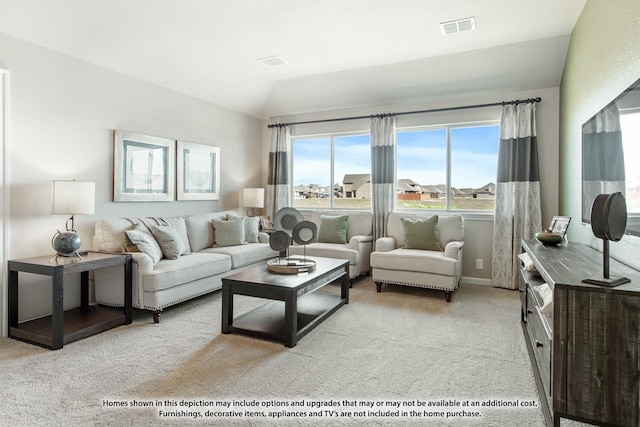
560,224
198,171
143,168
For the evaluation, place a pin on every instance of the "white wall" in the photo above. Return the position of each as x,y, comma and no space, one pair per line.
602,61
61,117
478,228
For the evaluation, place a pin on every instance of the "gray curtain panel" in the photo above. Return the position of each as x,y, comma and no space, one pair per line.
517,209
602,157
278,180
383,192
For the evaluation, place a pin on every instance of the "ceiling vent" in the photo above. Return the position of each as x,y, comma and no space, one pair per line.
466,24
272,61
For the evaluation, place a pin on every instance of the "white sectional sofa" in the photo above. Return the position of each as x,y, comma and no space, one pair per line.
356,246
205,256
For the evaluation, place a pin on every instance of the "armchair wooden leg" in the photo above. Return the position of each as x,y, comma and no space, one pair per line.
447,295
379,286
156,316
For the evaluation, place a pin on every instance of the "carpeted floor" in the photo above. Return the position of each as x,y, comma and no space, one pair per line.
400,357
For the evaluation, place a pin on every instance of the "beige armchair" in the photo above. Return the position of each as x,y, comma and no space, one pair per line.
437,268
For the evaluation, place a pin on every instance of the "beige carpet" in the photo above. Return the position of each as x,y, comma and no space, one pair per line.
404,346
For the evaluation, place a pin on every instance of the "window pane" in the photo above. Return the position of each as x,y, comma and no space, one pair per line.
630,126
474,162
311,172
422,169
352,166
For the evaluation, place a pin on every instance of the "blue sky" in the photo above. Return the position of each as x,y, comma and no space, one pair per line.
421,156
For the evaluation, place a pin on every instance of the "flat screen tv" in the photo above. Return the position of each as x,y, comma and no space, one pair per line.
611,155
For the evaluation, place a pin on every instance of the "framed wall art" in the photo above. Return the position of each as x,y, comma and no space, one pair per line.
144,168
198,171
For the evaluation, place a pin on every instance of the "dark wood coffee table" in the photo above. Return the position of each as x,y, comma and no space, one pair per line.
296,308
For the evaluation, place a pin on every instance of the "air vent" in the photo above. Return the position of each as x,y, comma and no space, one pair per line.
272,61
457,26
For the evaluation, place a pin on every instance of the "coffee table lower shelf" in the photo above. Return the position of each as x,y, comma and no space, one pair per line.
268,321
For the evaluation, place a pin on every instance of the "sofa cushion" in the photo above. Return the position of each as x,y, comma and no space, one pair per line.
242,255
169,240
169,273
144,240
228,232
415,260
333,229
178,223
421,233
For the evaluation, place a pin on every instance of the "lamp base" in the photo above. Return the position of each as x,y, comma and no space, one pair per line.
610,282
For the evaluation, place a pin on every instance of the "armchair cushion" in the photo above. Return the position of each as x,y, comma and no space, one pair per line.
333,229
421,233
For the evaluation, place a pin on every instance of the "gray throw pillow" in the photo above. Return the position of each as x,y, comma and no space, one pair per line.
170,242
421,233
333,229
251,227
229,232
144,240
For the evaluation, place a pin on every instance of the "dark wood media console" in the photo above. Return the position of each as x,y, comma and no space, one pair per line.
586,356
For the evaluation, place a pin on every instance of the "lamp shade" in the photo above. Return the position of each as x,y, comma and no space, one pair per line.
74,197
253,197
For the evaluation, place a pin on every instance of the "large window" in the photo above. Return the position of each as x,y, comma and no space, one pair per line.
332,171
447,167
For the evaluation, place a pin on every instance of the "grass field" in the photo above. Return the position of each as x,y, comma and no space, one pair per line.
462,203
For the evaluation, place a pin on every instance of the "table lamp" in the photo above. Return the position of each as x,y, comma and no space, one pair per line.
252,198
71,198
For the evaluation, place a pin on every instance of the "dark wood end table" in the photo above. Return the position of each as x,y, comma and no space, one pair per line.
62,327
295,310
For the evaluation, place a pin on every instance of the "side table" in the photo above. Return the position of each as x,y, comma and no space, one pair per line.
62,327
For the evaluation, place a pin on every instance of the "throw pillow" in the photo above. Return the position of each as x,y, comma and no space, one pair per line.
333,229
229,233
129,246
144,240
169,240
421,233
251,227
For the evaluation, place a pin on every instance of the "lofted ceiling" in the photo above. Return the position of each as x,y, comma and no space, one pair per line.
338,53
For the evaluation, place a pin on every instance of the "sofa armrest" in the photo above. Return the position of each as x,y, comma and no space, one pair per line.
356,241
385,244
452,250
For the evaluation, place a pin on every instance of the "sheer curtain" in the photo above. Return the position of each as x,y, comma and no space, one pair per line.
278,180
383,143
602,156
517,208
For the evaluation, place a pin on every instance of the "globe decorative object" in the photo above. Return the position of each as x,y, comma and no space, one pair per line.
66,244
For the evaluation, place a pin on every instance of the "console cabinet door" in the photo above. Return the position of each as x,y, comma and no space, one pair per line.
596,351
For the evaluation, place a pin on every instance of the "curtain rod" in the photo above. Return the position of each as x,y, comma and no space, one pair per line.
437,110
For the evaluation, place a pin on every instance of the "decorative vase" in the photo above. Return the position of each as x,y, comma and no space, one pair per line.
548,237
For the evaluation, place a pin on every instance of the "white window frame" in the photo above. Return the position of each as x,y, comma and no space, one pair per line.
467,213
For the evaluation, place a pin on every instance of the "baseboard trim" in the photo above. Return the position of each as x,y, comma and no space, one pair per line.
476,281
